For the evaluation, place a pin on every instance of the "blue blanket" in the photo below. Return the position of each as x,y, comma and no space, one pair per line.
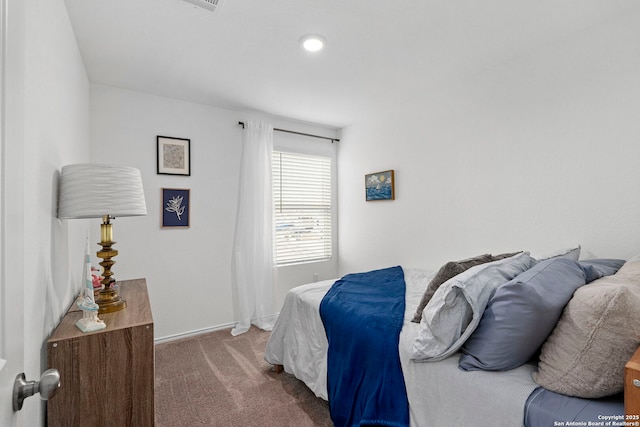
362,316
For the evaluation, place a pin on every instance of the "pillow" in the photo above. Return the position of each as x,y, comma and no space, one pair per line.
597,334
571,253
520,316
597,268
455,309
503,256
634,258
449,270
446,272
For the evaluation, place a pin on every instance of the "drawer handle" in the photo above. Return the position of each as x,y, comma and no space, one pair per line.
636,383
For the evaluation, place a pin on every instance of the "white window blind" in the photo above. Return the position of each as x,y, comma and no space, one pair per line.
302,199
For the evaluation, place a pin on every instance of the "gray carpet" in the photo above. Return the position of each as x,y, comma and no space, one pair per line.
216,379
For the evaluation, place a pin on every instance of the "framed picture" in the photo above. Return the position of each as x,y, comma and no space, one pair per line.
175,207
379,186
174,157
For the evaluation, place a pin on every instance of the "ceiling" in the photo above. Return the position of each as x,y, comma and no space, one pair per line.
246,55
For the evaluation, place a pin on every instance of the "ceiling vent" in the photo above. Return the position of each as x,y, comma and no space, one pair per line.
210,5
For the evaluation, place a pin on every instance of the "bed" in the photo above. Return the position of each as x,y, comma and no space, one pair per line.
440,391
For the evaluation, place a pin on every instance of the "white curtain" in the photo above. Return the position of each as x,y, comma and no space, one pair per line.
253,266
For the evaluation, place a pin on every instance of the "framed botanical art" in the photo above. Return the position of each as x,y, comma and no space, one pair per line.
379,186
175,207
174,156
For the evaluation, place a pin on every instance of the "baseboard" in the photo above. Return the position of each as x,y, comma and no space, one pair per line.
175,337
170,338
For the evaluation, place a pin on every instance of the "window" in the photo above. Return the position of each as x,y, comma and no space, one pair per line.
302,199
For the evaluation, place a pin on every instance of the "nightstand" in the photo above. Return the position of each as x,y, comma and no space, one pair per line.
107,376
632,387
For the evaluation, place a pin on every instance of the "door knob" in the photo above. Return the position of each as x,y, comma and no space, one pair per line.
47,387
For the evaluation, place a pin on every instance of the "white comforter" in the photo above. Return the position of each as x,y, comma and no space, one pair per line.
298,341
439,393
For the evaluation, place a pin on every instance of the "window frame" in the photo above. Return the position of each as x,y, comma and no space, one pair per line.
322,251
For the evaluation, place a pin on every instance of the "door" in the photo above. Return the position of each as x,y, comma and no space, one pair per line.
11,204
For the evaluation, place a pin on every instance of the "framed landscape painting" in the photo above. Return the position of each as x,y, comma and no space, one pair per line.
379,186
174,156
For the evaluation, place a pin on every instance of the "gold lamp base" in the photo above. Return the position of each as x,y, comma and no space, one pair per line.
108,299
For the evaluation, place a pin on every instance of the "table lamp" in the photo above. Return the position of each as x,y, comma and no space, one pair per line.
107,192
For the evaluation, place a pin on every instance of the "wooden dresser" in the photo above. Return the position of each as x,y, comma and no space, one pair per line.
107,376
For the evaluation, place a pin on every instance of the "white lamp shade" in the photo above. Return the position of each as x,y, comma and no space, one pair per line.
93,190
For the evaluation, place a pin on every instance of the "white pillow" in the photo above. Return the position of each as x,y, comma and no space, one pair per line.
457,306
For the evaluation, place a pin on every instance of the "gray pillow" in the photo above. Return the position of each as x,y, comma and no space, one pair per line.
597,268
520,315
449,270
456,307
597,334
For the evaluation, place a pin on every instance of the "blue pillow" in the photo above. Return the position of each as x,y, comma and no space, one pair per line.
521,314
597,268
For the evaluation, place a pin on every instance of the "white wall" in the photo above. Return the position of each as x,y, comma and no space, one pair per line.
537,153
56,132
188,271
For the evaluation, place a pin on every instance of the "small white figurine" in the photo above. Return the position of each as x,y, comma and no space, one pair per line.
87,302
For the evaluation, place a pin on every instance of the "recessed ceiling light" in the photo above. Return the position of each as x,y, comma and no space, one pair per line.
313,42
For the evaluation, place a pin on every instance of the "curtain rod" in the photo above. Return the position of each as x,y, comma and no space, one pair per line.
301,133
